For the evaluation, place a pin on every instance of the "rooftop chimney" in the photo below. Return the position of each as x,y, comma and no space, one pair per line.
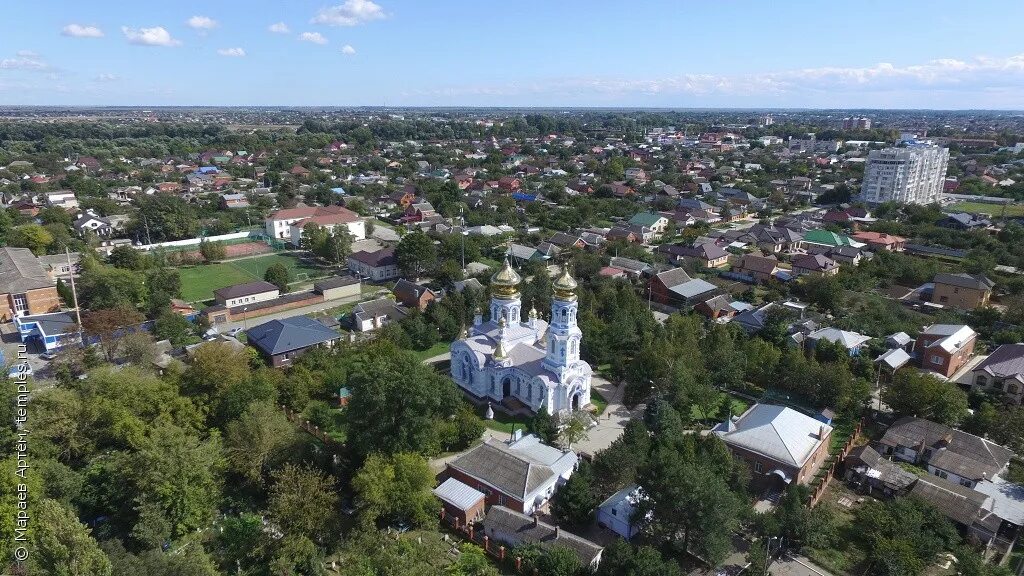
821,432
556,531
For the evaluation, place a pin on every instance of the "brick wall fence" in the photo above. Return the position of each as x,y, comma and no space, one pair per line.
818,490
496,550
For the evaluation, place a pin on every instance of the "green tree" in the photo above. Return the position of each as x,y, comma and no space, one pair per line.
303,502
575,502
172,326
396,402
622,557
102,286
913,393
126,257
689,499
61,546
313,237
336,246
278,275
212,251
32,236
181,474
472,562
260,438
415,254
396,488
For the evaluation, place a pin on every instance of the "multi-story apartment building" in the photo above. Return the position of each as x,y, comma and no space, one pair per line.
911,175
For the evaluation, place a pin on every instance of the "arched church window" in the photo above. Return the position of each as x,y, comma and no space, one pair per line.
565,314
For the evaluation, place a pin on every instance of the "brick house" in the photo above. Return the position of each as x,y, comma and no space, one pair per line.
462,504
510,183
26,288
964,291
881,241
779,444
945,348
413,295
1002,370
522,475
814,265
760,268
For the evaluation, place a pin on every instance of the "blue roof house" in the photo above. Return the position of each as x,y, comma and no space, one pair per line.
51,331
282,341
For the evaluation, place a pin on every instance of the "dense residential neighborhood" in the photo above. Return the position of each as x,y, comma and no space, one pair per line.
512,342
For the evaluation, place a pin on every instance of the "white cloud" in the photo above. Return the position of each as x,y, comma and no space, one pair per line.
279,28
80,31
314,37
105,77
234,52
794,86
25,60
156,36
351,13
348,50
202,23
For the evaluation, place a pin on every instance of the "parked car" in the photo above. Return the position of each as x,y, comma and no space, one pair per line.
48,356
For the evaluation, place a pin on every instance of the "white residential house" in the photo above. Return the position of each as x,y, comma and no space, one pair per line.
62,199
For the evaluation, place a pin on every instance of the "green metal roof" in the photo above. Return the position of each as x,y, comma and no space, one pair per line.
827,237
647,219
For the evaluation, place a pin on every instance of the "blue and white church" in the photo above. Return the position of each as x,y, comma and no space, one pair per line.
512,360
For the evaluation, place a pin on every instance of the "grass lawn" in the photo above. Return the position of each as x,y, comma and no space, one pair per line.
848,555
199,282
1012,210
504,423
739,406
489,262
435,350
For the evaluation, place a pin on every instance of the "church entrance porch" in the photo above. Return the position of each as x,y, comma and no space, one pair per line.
575,402
506,388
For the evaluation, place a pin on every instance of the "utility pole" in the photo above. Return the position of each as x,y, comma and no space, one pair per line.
74,296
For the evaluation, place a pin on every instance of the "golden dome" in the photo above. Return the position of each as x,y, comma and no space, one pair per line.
564,287
505,282
499,350
533,312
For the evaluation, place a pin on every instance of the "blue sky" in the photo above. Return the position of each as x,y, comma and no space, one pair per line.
671,53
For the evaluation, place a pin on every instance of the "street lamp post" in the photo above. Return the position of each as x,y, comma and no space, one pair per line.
245,318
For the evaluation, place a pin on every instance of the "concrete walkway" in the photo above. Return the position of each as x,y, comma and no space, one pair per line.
612,422
796,565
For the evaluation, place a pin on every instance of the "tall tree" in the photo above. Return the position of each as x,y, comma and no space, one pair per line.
913,393
575,502
61,546
257,440
278,275
415,254
396,402
396,488
109,325
303,502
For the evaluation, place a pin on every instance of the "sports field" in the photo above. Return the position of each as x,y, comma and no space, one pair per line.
199,282
1012,210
